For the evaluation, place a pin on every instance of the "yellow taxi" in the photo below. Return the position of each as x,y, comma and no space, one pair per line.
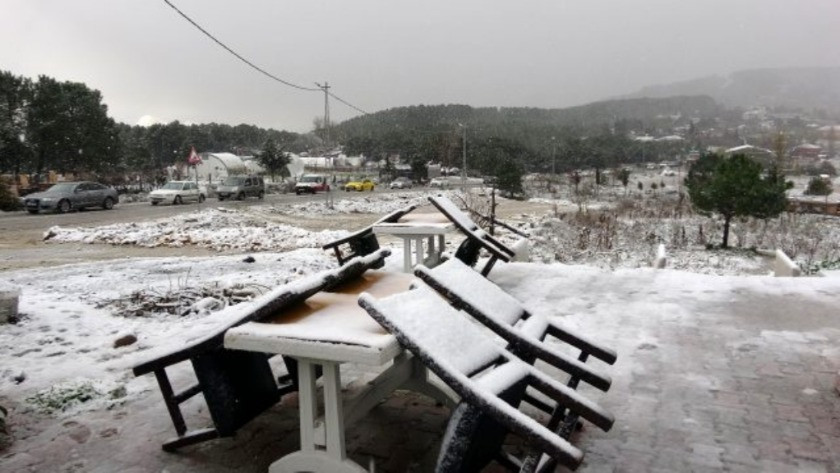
359,185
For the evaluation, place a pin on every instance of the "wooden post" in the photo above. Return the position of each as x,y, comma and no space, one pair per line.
493,210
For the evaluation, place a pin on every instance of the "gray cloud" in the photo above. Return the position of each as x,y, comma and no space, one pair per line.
147,60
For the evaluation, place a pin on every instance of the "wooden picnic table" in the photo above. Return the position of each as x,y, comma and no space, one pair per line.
414,229
326,330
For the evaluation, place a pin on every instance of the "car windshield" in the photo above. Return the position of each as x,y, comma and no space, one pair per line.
62,188
234,181
310,179
174,186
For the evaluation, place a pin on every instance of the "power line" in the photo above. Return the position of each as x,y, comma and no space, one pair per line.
238,56
348,103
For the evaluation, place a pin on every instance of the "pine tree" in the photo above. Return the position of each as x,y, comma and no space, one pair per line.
273,159
735,187
509,178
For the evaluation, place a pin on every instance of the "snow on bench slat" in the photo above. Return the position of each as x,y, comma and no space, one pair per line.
495,303
457,216
458,347
450,337
208,327
478,291
426,315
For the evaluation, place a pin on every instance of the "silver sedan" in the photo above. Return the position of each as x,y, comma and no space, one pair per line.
66,196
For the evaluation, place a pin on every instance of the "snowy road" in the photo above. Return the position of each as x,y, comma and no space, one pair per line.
16,222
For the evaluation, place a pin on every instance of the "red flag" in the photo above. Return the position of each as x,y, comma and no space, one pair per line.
194,158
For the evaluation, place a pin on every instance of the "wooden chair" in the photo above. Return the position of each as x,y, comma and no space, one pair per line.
477,239
490,380
238,385
363,242
524,332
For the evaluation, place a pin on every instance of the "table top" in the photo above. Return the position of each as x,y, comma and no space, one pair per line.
328,326
428,223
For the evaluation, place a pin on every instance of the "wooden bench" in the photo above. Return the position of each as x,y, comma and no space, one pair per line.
239,385
524,332
362,242
490,380
477,238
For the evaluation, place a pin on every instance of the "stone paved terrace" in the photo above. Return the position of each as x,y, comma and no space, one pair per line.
714,374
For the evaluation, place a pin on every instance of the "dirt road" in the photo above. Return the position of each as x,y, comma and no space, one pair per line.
22,242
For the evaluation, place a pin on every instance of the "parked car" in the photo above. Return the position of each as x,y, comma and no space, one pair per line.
66,196
312,183
176,193
359,185
439,182
401,183
239,187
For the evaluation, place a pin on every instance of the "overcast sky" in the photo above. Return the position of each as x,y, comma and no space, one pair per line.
149,62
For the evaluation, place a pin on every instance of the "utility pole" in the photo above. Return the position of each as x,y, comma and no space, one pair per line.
464,149
553,159
326,89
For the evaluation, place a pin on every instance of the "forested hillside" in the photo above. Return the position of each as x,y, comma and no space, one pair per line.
593,134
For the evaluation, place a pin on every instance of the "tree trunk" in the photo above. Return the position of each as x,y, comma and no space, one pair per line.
726,220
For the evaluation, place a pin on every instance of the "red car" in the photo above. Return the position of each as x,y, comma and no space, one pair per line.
311,183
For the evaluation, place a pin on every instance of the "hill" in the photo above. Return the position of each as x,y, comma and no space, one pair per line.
536,138
804,88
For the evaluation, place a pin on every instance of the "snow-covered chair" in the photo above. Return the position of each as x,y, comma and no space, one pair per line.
477,238
362,242
490,380
239,385
524,332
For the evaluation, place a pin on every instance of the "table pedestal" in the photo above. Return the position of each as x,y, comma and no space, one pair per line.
322,439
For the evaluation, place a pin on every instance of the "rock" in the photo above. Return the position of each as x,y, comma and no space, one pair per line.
118,393
249,259
125,341
19,378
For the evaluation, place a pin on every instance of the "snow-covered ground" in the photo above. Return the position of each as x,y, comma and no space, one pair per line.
72,349
72,315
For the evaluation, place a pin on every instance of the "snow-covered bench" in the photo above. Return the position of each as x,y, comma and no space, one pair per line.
524,332
362,242
477,239
490,380
239,385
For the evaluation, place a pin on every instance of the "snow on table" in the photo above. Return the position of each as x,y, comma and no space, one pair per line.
328,326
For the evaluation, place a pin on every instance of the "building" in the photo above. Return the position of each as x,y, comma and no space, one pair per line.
762,155
215,167
807,151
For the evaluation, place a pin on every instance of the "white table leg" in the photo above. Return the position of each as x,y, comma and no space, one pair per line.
407,254
418,251
308,404
333,411
310,457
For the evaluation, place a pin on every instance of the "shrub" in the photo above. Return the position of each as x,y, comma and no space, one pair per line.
818,186
8,201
